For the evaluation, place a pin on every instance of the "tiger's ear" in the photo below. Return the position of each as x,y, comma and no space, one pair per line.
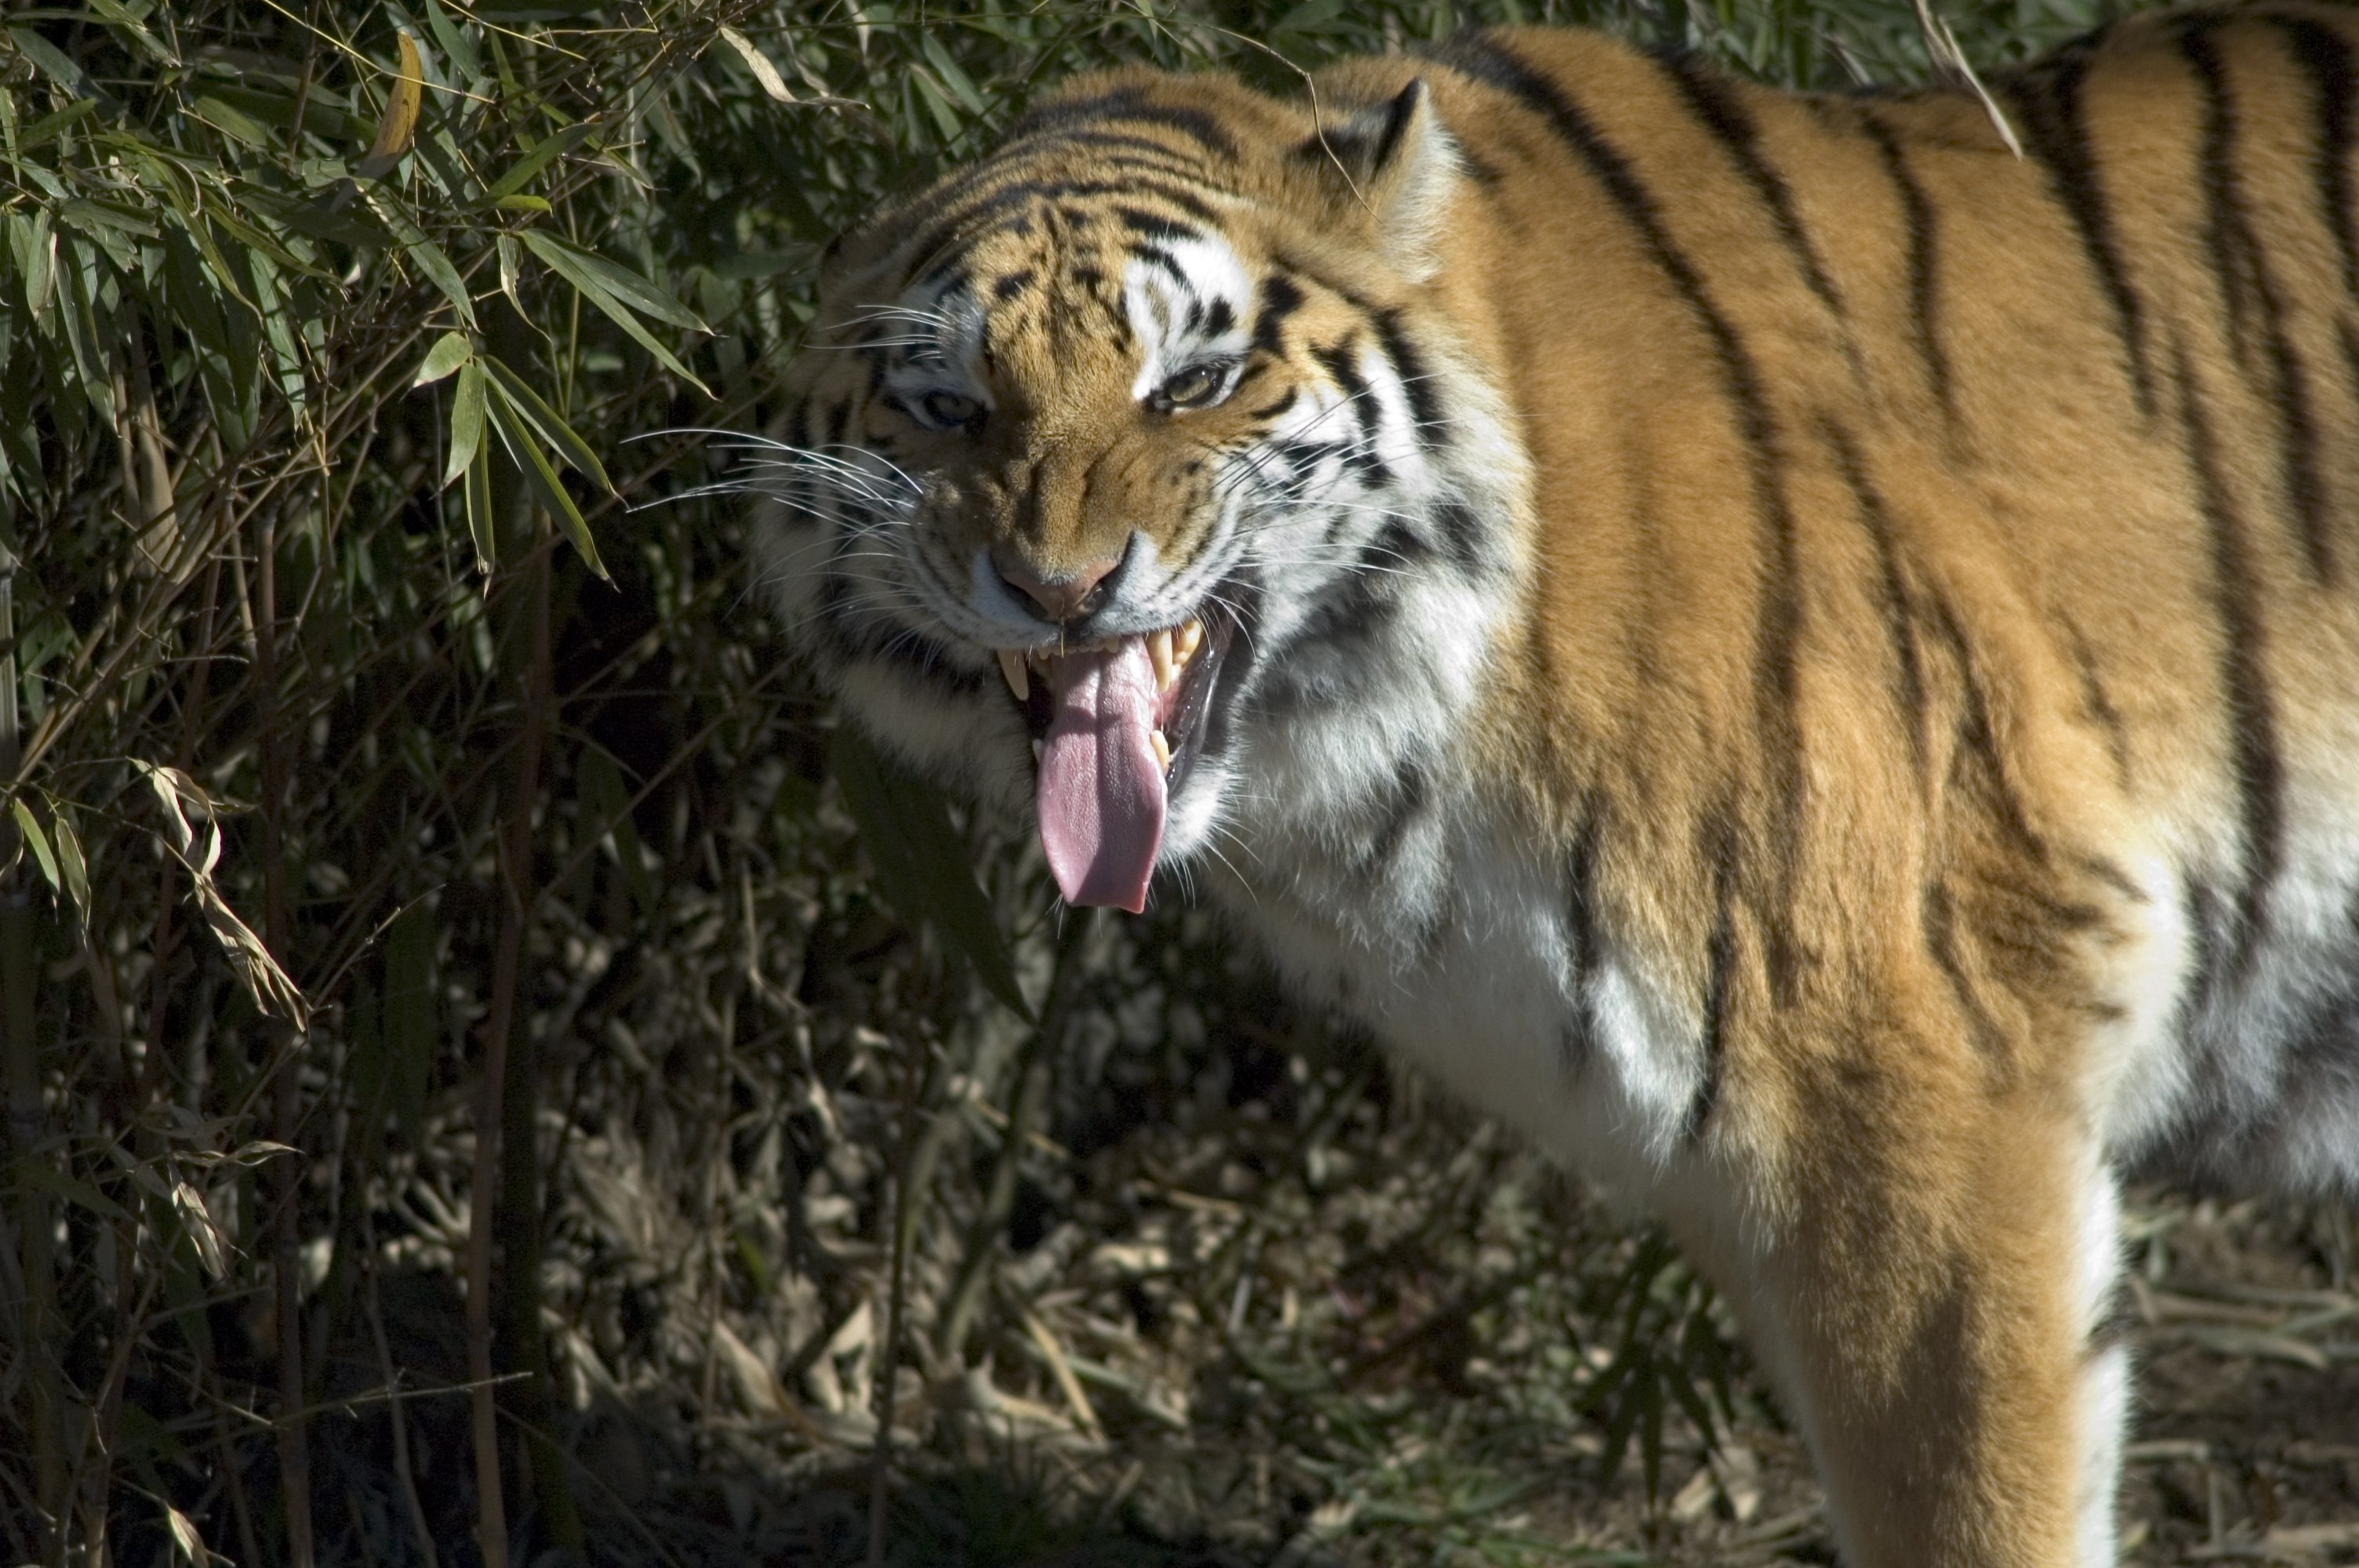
1395,162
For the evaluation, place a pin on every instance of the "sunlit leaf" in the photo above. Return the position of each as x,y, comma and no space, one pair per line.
450,351
764,73
38,842
397,126
517,435
551,428
483,528
466,421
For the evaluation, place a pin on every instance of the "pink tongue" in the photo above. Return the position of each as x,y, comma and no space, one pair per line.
1100,788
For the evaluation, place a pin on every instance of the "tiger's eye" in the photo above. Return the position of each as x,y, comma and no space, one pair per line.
1197,386
948,408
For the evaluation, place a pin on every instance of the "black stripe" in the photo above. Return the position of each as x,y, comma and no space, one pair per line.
2252,719
2326,55
1464,535
963,219
1581,923
1417,383
1720,960
1977,740
1336,359
1279,298
2054,133
2099,702
2243,274
2226,233
1923,252
1709,99
1899,619
1153,225
1157,257
1938,920
1776,637
2210,952
1409,796
1131,106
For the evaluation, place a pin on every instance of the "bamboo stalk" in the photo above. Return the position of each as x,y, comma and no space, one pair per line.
286,1106
519,1215
26,1122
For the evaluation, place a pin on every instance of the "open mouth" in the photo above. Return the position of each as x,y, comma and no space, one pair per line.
1115,727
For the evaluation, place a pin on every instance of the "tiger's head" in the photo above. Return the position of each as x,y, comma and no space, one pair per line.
1136,472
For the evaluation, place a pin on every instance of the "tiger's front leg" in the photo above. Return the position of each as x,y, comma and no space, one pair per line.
1933,1300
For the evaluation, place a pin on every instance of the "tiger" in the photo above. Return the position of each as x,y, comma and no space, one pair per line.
1798,649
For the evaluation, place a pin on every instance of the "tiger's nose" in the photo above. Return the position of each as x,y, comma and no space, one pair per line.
1063,598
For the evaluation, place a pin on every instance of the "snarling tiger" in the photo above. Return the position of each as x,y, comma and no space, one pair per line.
1805,660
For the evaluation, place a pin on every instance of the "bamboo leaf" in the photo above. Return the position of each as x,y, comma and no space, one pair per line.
921,864
73,1189
553,429
450,351
939,56
587,270
197,1219
71,863
466,421
759,64
185,1539
39,842
118,17
517,435
551,147
397,126
565,262
482,526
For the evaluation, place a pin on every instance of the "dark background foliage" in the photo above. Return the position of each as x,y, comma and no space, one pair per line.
426,885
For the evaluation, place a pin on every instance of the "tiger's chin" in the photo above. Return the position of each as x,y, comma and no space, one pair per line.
1118,729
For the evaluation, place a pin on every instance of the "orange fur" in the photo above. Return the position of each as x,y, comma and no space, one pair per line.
1927,621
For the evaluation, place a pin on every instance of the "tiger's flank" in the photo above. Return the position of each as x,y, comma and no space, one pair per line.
1806,662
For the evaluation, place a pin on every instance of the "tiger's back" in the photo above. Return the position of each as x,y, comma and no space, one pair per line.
1802,659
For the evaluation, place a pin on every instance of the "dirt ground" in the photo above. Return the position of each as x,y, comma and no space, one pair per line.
1401,1347
1299,1317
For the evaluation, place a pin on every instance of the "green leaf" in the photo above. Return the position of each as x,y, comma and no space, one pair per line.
52,62
551,148
57,1183
32,827
553,429
70,860
938,56
436,267
606,814
482,526
618,292
938,103
921,864
620,281
457,47
466,421
118,17
450,351
516,434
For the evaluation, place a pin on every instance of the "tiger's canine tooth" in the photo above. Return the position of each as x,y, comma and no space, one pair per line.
1162,749
1011,665
1159,649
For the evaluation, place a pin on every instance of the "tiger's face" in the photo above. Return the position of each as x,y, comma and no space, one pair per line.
1109,481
